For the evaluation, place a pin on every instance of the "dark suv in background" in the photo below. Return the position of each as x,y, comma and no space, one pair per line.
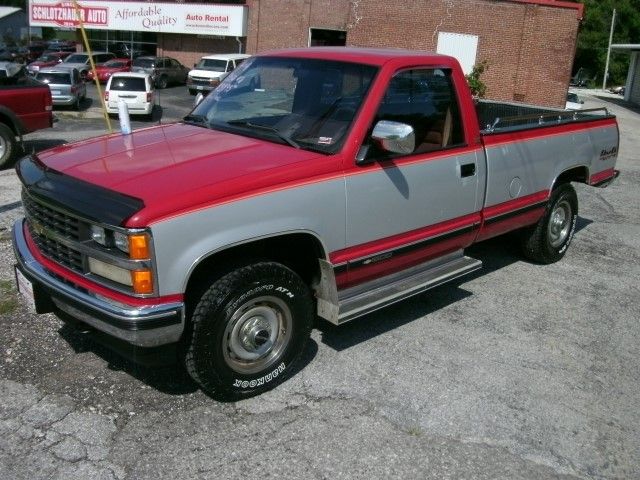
163,70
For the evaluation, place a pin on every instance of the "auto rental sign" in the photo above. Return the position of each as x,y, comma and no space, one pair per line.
202,19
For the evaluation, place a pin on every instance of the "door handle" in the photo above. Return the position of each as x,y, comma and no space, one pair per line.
468,170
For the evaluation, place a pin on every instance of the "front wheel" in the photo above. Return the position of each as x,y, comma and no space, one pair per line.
248,330
548,240
7,145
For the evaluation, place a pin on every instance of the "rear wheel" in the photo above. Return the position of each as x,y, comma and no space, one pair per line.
248,330
7,145
548,240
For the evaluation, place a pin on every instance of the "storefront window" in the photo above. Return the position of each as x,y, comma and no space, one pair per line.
122,43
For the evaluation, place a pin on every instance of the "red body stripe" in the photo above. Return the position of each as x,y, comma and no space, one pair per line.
92,286
602,176
516,204
493,140
402,239
400,261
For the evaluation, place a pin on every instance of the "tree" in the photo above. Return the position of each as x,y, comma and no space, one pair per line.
476,85
593,38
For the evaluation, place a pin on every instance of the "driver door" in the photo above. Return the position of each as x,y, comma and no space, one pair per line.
405,209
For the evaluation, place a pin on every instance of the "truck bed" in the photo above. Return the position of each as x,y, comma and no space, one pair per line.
499,117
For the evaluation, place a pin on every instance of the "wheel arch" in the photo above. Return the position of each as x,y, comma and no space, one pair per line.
298,250
10,119
578,173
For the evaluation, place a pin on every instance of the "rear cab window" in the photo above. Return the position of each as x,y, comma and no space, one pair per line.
129,84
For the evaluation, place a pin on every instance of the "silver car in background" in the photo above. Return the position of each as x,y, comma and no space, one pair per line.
81,61
66,85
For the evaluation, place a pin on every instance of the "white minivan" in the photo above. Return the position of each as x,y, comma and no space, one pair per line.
211,69
136,89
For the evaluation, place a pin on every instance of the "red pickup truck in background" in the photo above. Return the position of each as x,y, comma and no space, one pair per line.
324,182
25,106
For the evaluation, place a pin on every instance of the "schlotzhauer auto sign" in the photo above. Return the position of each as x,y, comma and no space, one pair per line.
202,19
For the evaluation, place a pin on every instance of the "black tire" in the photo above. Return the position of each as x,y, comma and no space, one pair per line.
548,240
248,330
7,145
192,92
162,82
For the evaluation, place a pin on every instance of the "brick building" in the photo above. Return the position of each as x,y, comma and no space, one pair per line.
528,45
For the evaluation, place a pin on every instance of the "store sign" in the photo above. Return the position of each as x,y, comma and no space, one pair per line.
201,19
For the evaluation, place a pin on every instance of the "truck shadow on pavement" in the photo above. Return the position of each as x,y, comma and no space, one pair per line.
158,368
495,254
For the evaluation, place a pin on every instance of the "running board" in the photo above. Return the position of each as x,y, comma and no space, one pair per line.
368,297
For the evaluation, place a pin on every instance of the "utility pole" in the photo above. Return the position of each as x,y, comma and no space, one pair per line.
606,68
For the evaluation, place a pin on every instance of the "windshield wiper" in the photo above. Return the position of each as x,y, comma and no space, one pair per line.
197,120
267,128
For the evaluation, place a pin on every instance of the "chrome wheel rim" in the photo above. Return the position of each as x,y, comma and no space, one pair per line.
257,334
3,147
559,223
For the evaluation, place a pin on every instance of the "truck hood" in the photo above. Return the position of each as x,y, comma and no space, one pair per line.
180,167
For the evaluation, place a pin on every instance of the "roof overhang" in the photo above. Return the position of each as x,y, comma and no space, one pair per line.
578,7
626,46
6,11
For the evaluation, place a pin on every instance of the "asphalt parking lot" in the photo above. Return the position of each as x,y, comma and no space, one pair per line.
519,371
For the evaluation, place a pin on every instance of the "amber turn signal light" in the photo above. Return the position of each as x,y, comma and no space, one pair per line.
142,281
139,247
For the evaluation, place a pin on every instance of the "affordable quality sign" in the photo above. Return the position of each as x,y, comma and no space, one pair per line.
203,19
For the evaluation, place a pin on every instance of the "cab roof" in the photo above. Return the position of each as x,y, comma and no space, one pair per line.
371,56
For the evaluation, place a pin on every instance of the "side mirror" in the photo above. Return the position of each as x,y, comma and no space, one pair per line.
394,137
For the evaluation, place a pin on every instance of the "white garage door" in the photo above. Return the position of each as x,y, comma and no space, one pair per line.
462,47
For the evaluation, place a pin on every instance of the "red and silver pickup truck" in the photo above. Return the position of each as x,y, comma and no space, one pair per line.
324,182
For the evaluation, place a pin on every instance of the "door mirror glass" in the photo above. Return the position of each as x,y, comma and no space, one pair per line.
394,137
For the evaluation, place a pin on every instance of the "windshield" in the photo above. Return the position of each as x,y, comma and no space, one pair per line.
77,58
213,65
306,103
61,78
48,58
144,62
114,64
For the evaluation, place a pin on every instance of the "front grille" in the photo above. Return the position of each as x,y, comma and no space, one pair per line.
42,219
201,81
54,220
57,252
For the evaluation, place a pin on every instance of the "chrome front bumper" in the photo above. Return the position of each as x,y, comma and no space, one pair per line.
146,326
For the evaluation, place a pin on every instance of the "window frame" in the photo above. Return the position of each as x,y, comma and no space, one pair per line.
372,155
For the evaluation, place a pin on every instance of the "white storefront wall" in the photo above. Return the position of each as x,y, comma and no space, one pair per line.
158,17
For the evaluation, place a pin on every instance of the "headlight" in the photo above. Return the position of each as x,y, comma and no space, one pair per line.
99,235
136,245
121,241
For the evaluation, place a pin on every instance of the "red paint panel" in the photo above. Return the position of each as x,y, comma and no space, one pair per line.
493,140
509,224
402,239
513,205
91,286
602,176
404,261
498,227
